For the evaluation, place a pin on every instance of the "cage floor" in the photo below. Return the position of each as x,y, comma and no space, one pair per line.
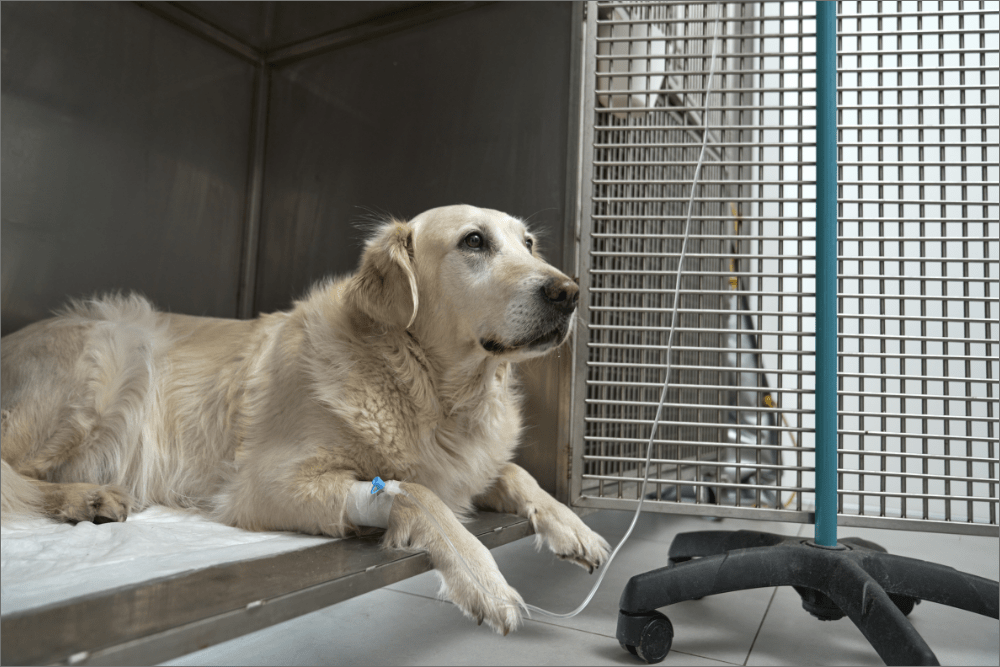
405,624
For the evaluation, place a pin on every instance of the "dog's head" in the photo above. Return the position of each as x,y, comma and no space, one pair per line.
469,276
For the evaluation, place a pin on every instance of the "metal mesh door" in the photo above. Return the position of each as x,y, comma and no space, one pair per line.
920,262
737,437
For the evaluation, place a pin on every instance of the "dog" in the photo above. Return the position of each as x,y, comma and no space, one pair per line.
401,370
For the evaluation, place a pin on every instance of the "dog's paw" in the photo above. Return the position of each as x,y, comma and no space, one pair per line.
74,503
559,528
493,601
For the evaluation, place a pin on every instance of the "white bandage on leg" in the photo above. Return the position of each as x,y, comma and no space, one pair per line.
364,508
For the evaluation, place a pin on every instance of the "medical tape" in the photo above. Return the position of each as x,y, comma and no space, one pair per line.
369,504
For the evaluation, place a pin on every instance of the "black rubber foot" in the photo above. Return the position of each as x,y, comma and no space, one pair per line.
647,636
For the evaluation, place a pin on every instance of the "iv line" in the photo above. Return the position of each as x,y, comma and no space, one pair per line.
663,394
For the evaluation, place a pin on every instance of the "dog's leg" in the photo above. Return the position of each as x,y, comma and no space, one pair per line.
77,502
317,502
24,497
556,525
409,527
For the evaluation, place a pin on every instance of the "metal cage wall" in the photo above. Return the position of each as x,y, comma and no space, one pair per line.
919,261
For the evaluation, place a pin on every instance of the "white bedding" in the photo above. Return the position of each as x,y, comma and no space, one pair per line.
45,562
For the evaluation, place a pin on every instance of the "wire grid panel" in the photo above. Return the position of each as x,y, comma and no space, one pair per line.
919,274
736,437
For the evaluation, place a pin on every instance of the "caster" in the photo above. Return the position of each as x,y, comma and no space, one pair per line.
819,605
655,638
904,603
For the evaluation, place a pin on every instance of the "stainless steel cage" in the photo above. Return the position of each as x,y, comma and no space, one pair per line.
919,244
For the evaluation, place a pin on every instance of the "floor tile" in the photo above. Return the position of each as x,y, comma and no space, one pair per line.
387,627
405,624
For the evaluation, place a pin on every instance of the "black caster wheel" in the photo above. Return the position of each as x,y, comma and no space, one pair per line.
904,603
646,634
818,604
657,636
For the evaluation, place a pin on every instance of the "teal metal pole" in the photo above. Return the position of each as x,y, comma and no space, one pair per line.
826,273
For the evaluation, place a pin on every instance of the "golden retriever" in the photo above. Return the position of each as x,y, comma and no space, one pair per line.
401,370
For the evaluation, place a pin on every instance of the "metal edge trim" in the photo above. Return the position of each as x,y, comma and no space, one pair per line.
250,260
793,516
919,525
571,245
581,337
162,646
377,27
692,509
180,17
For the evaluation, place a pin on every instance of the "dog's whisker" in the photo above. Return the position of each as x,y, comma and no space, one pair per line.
528,219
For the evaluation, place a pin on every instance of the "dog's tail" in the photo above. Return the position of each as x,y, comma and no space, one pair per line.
20,498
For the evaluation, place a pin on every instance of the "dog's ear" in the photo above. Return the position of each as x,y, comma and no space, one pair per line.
385,286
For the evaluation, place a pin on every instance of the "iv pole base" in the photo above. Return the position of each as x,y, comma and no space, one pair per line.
857,579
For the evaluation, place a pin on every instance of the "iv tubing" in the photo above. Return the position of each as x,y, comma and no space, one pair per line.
663,394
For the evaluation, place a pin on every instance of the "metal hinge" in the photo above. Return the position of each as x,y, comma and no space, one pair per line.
569,460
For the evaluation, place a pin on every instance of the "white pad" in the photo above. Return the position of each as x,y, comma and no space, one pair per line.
363,508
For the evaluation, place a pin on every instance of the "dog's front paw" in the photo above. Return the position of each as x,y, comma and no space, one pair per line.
74,503
493,600
558,527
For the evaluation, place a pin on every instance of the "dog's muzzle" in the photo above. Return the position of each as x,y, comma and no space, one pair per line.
558,299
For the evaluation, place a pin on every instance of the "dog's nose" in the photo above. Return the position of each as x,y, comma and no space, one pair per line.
562,293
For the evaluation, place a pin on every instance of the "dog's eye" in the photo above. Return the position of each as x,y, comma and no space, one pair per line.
529,243
474,240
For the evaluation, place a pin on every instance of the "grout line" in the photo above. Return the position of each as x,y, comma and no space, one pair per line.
567,627
757,634
416,595
705,657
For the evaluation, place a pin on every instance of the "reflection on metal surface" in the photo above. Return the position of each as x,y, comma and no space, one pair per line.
247,294
122,170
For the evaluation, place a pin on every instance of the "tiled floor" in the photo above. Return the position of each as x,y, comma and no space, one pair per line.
405,623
